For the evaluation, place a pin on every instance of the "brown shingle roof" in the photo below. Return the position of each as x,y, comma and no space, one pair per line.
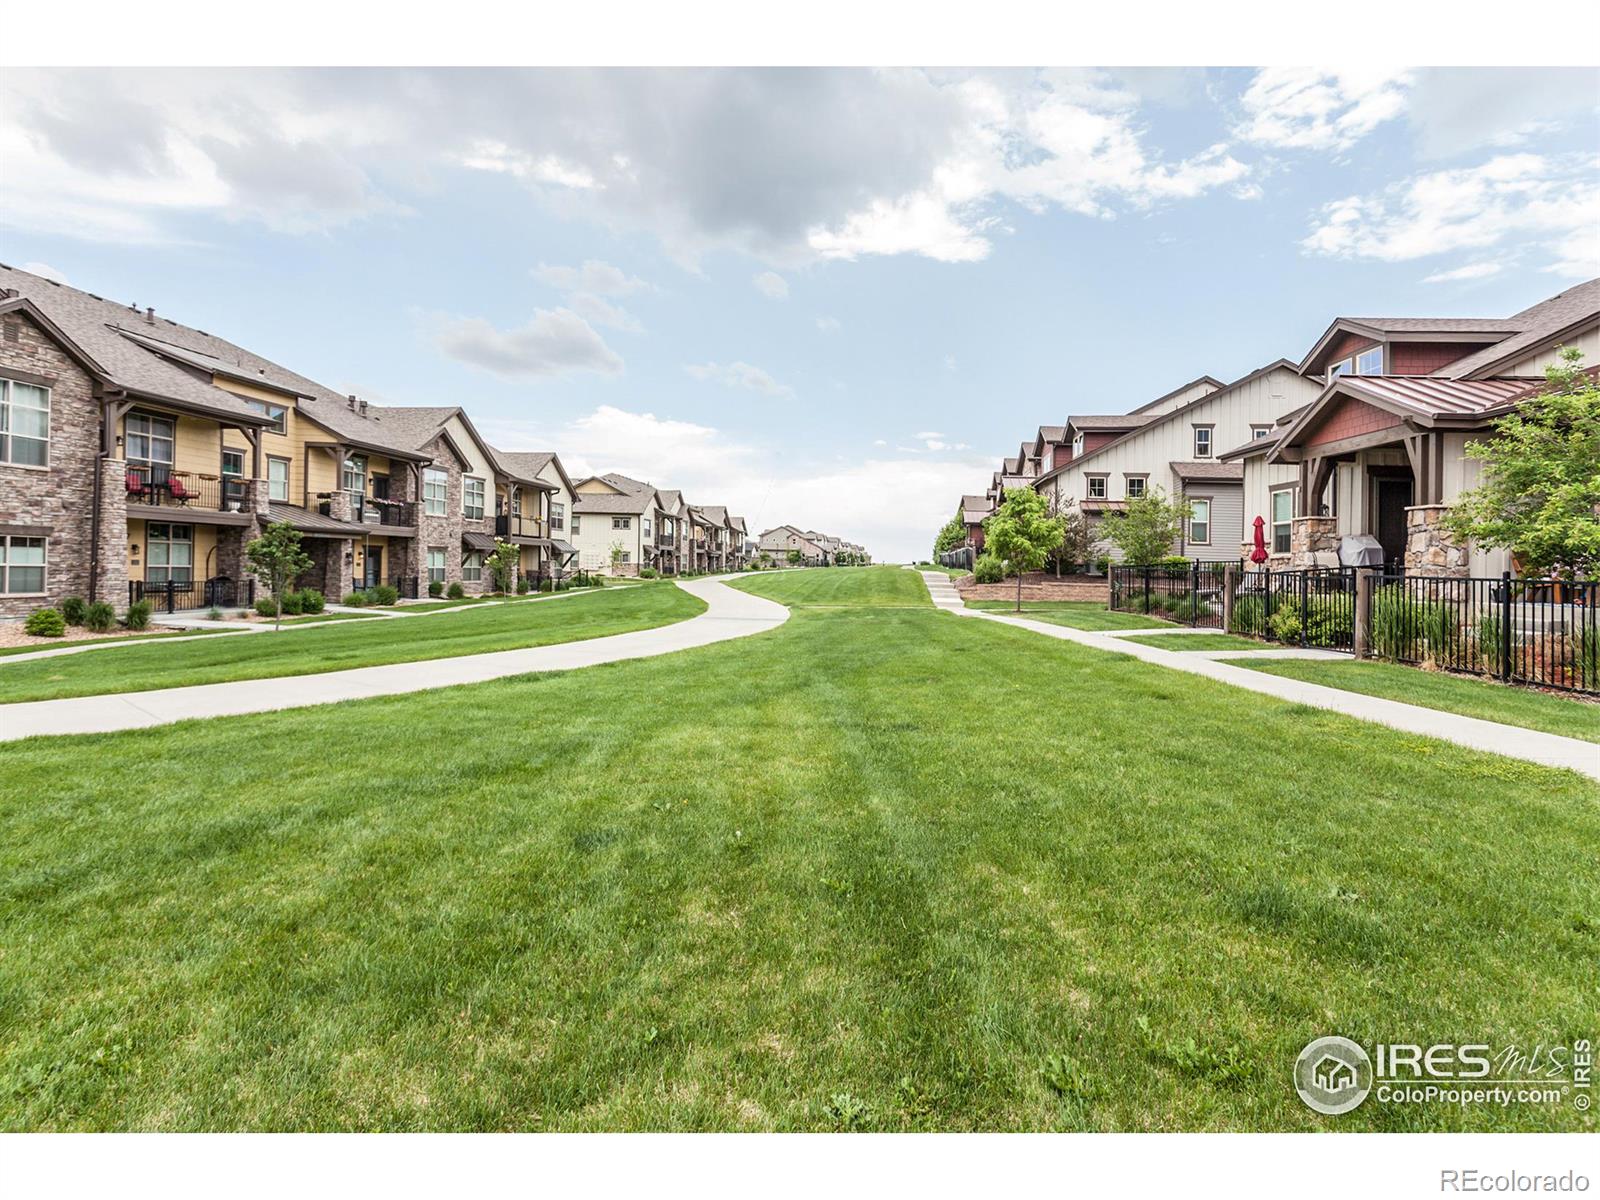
615,502
1536,324
1100,422
1219,472
523,465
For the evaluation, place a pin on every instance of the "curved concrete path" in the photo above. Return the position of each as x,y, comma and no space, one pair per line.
729,614
1532,745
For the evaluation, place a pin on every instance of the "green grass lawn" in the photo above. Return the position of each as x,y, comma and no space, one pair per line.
1075,614
1464,694
1201,640
855,587
358,644
54,644
928,874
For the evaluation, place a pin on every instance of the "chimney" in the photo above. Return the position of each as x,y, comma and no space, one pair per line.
363,408
352,403
150,315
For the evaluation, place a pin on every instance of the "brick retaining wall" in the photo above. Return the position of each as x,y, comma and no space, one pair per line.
1037,586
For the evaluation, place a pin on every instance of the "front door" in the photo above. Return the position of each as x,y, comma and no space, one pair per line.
374,565
1393,497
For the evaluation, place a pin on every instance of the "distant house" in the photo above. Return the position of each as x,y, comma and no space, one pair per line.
975,510
780,541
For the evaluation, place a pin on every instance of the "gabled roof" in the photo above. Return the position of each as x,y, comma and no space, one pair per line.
626,483
524,466
670,499
1389,329
1543,324
1048,434
414,427
619,503
1010,466
1163,418
1421,400
1215,472
1108,421
1211,379
1261,445
715,514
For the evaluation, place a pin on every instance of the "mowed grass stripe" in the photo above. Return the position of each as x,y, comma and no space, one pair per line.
905,872
349,644
843,587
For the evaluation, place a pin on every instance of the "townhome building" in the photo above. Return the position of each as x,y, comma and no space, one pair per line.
614,524
779,541
1379,448
1174,443
533,497
140,456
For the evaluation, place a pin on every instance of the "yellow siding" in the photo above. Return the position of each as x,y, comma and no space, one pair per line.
196,442
596,487
205,544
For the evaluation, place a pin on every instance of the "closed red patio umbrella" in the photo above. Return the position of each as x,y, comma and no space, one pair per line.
1258,554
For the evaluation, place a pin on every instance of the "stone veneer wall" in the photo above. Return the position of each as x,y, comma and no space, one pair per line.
1310,536
1431,549
56,502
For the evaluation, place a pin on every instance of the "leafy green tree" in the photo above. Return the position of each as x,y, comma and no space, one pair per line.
503,562
952,535
1147,529
795,558
1076,539
615,554
278,560
1539,494
1023,532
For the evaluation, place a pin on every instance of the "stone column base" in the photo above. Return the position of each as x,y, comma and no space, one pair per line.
1310,536
1431,549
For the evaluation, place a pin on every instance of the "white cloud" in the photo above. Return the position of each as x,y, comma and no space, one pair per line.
883,162
1479,270
555,343
739,375
828,324
893,506
1526,199
932,443
771,285
601,312
595,277
1304,108
44,271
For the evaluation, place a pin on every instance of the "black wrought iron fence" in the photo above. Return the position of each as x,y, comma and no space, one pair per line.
1314,607
187,595
1191,594
959,559
1538,632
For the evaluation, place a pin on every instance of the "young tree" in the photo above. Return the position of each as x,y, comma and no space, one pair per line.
795,558
503,563
1023,533
616,556
1146,531
1539,493
278,560
951,536
1076,540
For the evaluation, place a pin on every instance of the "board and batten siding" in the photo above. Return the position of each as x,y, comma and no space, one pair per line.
1227,509
1181,398
1534,364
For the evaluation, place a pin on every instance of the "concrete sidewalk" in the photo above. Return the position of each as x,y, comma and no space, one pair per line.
1513,741
729,614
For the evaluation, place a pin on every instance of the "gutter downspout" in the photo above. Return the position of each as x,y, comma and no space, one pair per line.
96,500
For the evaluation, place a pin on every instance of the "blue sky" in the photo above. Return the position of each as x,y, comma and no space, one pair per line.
832,298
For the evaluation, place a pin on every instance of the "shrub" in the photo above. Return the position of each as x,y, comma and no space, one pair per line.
652,573
456,592
214,614
522,585
45,622
1173,560
1249,615
100,617
988,569
357,600
1183,608
435,587
1327,621
312,601
1404,627
384,594
293,605
1102,564
138,615
265,607
73,610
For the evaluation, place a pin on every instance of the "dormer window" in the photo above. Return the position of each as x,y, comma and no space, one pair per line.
1370,362
1077,446
1257,432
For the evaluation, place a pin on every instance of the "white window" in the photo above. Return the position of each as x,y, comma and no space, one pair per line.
24,424
22,566
1135,486
149,439
1370,362
1200,522
1097,487
169,554
278,479
1282,513
435,487
277,412
472,494
1202,441
1257,432
558,516
575,520
233,463
622,522
1077,446
626,556
646,529
471,566
354,478
1345,366
435,564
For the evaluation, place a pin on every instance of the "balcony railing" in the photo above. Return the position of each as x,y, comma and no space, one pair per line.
160,486
512,525
388,512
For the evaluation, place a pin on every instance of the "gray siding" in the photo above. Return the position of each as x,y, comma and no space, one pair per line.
1227,521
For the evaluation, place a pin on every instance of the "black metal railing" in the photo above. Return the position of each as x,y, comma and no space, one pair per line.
1190,594
160,486
405,585
513,525
1531,631
188,595
388,512
961,558
1313,607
